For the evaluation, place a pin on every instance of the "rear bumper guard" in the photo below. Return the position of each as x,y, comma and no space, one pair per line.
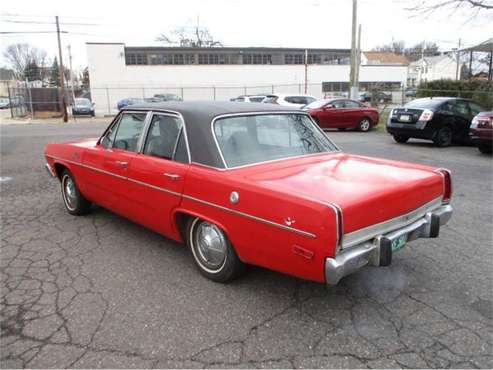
378,251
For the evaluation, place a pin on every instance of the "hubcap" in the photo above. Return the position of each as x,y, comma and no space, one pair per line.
365,125
70,192
211,245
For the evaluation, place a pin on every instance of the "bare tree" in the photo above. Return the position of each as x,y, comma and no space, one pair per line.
426,7
197,37
20,55
412,53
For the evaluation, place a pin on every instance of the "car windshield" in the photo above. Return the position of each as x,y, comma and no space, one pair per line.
424,103
317,104
252,139
82,102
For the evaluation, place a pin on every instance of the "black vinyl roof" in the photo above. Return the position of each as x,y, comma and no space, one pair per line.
198,116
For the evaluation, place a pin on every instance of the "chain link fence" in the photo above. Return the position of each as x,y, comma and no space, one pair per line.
44,102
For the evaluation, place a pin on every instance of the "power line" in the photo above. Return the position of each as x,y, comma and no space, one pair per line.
40,22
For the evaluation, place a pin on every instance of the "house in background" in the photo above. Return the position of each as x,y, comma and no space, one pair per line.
383,58
442,67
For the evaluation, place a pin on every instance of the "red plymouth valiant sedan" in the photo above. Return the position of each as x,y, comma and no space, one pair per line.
248,183
342,114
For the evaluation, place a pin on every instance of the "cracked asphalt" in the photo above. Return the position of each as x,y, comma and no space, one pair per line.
100,291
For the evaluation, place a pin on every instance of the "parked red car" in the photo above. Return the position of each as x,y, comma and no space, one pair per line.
342,114
481,132
250,183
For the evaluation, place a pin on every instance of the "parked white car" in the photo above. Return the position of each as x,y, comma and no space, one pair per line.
289,100
249,98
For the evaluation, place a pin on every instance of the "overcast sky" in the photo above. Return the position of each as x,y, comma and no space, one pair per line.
278,23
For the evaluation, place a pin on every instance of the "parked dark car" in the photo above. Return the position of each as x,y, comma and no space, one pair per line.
378,96
128,101
342,114
481,132
82,106
159,98
4,102
411,92
442,120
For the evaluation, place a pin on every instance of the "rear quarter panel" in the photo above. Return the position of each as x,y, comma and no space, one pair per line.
256,241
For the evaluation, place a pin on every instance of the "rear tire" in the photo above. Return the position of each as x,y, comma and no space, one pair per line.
443,137
401,139
212,251
485,148
74,201
364,125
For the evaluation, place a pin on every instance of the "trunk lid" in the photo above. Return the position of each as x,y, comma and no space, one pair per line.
368,190
405,115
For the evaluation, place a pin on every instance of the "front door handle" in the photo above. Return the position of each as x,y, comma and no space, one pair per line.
122,164
172,176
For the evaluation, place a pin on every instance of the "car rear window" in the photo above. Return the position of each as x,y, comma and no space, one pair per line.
253,139
424,103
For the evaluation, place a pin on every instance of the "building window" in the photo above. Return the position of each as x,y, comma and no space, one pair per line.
189,59
133,59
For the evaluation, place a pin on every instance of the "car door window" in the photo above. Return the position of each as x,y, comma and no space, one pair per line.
163,137
462,108
338,104
448,107
351,104
129,131
475,108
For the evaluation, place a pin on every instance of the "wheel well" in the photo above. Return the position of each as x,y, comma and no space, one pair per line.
59,168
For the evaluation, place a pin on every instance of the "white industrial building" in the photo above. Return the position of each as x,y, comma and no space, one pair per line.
117,71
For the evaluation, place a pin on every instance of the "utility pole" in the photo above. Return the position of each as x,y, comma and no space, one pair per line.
306,71
458,62
358,58
71,72
353,88
63,104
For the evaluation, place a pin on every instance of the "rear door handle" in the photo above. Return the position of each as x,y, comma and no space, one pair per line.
172,176
122,164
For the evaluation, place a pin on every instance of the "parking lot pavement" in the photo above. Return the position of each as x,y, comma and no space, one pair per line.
100,291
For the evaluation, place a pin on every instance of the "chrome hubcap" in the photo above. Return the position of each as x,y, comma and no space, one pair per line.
211,245
70,192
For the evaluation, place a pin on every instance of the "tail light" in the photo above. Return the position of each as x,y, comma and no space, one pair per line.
426,115
447,185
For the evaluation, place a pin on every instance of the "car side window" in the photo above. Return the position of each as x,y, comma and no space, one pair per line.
448,107
462,108
109,138
475,108
163,135
338,104
129,131
351,104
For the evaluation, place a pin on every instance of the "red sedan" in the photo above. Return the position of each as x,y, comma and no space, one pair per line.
250,183
343,114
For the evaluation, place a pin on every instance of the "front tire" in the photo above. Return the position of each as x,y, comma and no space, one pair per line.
212,251
364,125
485,148
443,137
74,201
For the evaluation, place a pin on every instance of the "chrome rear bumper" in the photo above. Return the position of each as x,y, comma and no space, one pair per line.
378,250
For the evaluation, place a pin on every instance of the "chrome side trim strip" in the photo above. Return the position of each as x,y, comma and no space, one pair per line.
263,220
371,231
154,187
239,213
